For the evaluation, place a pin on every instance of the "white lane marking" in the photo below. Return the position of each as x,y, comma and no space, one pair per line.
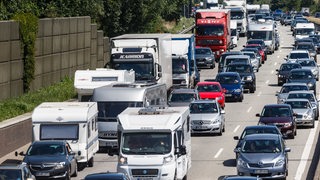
275,63
236,129
272,71
249,109
218,153
267,82
278,57
259,94
306,152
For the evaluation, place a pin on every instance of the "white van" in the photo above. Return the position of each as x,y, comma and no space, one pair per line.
303,30
75,122
115,98
234,33
86,80
155,143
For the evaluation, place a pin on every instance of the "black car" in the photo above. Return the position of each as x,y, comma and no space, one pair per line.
223,57
303,76
107,175
51,160
284,70
204,57
246,73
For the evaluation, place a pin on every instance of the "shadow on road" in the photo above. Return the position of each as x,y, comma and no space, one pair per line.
230,163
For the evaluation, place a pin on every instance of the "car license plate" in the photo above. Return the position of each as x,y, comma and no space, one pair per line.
228,95
144,178
261,171
42,174
201,127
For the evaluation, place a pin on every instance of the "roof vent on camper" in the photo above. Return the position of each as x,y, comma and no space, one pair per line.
148,111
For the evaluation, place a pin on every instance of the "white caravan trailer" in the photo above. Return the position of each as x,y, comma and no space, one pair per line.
303,30
113,99
75,122
86,80
265,30
155,143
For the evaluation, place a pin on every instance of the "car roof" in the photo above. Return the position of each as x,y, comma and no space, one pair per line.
261,127
228,74
297,70
184,90
261,136
290,62
203,101
305,43
296,99
238,56
208,83
232,52
294,84
12,164
299,51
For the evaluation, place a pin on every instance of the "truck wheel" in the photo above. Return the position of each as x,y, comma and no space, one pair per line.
91,162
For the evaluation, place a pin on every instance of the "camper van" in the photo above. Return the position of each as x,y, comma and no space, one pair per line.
75,122
86,80
115,98
155,143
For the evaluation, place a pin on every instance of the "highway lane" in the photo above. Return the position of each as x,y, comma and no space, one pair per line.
213,156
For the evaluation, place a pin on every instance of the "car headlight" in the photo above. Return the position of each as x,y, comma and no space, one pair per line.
215,121
242,163
279,163
287,124
208,59
218,98
60,165
123,160
310,84
237,90
167,159
280,76
248,78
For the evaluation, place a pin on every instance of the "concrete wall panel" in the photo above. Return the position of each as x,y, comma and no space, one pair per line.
73,59
93,61
16,88
47,64
16,50
73,42
65,25
38,65
73,25
14,29
5,30
16,69
47,26
36,83
47,45
56,62
5,91
80,24
56,26
47,79
80,40
5,51
94,46
94,31
100,53
65,43
100,37
39,46
80,57
5,72
56,44
56,76
65,60
87,56
100,64
87,39
87,23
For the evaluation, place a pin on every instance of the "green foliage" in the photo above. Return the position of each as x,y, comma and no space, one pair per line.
28,32
56,93
182,23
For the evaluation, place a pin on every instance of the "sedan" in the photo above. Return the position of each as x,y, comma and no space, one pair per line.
211,90
288,87
206,116
284,70
310,64
204,57
56,156
303,110
255,60
246,73
303,76
280,115
182,97
263,155
232,83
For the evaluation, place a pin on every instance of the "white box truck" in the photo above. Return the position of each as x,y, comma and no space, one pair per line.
75,122
155,143
86,80
238,14
149,55
183,60
113,99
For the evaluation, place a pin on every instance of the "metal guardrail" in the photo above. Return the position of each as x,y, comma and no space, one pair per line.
184,31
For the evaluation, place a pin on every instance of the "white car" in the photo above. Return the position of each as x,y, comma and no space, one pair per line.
297,54
207,117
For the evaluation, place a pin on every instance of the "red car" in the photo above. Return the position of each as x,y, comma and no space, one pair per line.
261,51
211,90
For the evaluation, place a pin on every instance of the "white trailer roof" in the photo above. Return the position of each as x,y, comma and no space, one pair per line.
261,26
169,118
64,112
180,47
305,26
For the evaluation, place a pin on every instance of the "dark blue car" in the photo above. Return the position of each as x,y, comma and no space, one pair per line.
231,81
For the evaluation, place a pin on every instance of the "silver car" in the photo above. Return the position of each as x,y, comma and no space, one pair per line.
304,112
255,60
182,97
263,155
287,87
207,117
310,64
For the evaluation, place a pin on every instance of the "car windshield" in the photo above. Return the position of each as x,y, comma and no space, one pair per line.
287,89
10,174
298,55
208,88
307,63
203,51
299,104
261,146
259,131
308,96
276,112
145,143
212,30
182,97
289,67
308,47
46,149
239,68
304,31
203,108
300,75
249,54
237,15
228,79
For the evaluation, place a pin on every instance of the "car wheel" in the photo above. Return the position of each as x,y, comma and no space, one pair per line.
220,131
312,126
75,174
91,162
252,90
241,99
292,136
68,174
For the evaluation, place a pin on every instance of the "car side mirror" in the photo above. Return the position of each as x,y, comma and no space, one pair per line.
79,153
257,115
72,153
295,114
19,153
182,150
277,70
237,150
287,149
236,137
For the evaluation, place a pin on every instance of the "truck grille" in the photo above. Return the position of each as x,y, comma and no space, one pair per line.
145,172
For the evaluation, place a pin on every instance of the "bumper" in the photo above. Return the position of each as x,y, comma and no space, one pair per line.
248,85
233,96
304,122
265,173
56,174
212,128
165,172
108,143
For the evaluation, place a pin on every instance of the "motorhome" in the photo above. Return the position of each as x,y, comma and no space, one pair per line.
263,30
303,30
75,122
155,143
86,80
113,99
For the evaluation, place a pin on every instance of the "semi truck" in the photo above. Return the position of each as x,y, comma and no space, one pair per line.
149,55
113,99
87,80
183,60
155,143
238,13
213,30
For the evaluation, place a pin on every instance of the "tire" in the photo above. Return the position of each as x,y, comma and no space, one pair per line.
252,90
241,99
75,174
220,132
312,126
292,136
91,162
68,175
